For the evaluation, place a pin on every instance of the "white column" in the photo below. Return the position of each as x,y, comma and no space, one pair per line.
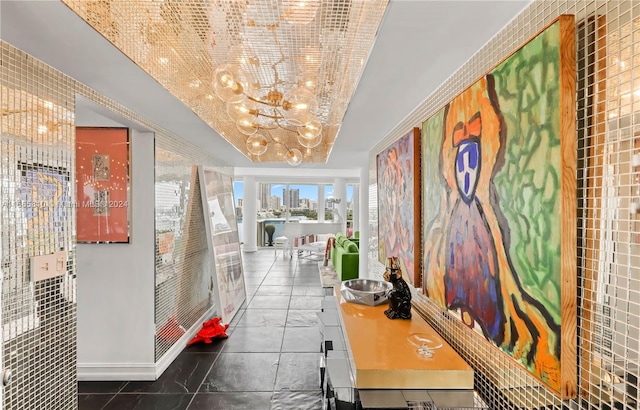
320,203
364,222
250,214
356,207
340,191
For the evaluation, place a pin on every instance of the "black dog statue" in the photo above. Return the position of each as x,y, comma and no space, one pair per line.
400,295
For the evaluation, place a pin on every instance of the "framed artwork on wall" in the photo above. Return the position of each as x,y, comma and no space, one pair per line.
224,242
46,203
398,179
499,207
103,185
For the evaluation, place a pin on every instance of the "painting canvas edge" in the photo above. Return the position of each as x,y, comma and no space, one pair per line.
417,207
568,252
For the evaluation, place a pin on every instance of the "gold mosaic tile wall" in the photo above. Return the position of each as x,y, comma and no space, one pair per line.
37,217
608,136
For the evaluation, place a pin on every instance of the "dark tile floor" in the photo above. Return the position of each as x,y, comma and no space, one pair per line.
270,360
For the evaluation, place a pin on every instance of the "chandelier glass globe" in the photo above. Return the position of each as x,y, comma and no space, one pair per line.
311,130
230,83
299,105
294,157
241,110
279,150
257,144
310,143
246,125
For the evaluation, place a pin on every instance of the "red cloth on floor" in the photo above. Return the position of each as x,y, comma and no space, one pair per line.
210,329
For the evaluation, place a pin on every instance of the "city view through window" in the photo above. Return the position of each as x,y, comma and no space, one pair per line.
302,200
299,200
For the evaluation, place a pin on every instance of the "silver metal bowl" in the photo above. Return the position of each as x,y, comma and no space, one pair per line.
365,291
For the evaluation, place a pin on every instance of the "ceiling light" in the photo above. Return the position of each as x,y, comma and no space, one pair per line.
254,108
260,54
294,157
246,124
229,83
257,144
299,105
310,130
309,142
241,110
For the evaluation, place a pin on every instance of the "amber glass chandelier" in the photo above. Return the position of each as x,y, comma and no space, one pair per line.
257,109
272,77
285,102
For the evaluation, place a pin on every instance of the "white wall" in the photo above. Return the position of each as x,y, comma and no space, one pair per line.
115,282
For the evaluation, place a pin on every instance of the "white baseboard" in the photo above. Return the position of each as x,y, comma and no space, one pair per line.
140,371
116,372
179,346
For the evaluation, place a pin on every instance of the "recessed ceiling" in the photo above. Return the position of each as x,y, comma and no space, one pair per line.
273,77
418,46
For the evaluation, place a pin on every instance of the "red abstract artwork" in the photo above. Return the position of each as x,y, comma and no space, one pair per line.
102,182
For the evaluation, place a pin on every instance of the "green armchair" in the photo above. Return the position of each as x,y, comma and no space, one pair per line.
345,257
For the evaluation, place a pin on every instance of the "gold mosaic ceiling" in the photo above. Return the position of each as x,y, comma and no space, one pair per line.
321,45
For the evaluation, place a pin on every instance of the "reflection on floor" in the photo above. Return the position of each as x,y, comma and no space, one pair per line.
269,361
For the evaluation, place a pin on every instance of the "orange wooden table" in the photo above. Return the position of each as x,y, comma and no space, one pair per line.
383,358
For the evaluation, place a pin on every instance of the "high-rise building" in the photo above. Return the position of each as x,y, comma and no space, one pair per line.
294,197
276,203
264,195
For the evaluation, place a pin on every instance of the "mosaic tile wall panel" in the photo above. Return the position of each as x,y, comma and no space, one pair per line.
184,265
37,217
608,256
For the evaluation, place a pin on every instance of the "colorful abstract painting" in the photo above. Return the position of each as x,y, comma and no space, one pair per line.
45,200
498,166
398,204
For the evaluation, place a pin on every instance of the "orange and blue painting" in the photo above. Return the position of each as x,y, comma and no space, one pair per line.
44,197
492,206
397,205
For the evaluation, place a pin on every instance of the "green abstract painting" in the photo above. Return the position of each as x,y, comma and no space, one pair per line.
494,202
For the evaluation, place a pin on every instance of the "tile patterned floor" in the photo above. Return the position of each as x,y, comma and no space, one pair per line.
270,360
